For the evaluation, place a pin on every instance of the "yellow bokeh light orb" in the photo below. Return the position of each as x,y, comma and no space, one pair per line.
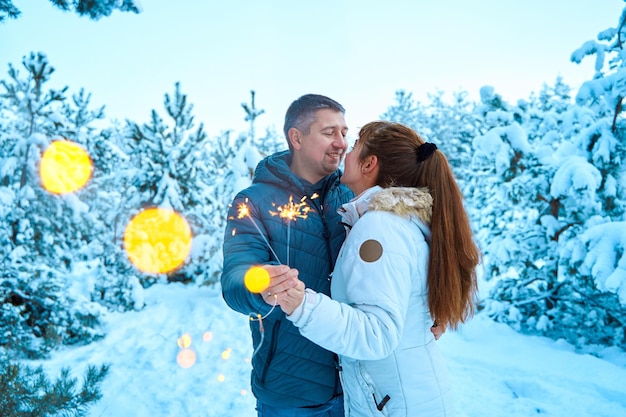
184,341
226,354
256,279
157,240
65,167
186,358
221,378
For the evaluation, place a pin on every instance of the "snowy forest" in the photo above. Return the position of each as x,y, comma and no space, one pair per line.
543,180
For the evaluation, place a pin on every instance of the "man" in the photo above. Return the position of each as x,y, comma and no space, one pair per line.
290,375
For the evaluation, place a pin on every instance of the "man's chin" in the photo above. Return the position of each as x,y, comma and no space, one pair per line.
331,167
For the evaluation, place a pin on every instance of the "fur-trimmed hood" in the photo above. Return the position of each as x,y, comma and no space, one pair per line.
403,201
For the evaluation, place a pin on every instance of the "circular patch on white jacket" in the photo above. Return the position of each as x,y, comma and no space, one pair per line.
371,250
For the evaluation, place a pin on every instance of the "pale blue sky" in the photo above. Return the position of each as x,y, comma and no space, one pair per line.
356,51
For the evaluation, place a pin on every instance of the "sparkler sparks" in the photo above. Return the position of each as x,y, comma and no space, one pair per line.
292,211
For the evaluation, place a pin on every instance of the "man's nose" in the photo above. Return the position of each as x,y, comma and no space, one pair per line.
340,141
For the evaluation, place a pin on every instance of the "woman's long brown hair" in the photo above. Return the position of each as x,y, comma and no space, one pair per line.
452,283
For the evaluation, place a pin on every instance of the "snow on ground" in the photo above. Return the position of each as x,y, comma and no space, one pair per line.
496,371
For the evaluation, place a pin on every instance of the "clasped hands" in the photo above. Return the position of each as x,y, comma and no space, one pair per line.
284,289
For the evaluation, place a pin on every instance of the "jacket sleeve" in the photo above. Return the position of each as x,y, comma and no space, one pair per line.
243,247
369,324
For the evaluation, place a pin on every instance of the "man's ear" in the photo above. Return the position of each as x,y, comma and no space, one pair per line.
295,138
369,164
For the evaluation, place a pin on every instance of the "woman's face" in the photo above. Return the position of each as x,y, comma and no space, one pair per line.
352,175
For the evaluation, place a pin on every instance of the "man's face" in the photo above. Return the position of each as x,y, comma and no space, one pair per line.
323,147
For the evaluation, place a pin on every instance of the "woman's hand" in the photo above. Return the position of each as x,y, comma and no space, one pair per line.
292,298
437,330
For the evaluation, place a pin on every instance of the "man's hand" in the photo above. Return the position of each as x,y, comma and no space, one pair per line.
281,279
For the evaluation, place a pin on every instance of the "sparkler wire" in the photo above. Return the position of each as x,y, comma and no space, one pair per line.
260,318
288,239
265,239
244,211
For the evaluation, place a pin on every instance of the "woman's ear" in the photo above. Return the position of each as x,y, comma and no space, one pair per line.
369,164
295,138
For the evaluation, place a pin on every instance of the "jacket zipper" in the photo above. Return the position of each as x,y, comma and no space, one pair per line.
272,350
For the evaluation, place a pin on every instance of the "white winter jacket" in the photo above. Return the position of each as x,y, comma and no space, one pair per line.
378,320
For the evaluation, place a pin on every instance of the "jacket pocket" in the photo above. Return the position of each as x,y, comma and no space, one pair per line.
376,400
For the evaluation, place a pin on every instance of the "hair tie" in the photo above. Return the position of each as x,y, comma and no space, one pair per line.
425,150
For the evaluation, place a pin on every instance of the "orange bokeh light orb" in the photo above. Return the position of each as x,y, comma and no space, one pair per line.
157,240
256,279
186,358
65,167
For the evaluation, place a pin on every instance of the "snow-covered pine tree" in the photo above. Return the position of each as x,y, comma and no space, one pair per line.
405,110
171,168
520,257
222,150
255,148
47,236
116,284
251,115
533,252
234,161
450,125
94,9
27,391
592,191
502,182
552,98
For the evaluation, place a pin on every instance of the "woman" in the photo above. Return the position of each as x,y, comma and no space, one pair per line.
409,261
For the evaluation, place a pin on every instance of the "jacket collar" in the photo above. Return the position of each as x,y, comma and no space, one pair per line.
351,211
410,202
274,169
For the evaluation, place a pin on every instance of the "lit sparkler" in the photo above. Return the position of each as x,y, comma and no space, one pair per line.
292,211
244,211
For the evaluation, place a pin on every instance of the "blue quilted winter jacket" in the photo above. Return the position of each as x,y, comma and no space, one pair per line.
288,370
